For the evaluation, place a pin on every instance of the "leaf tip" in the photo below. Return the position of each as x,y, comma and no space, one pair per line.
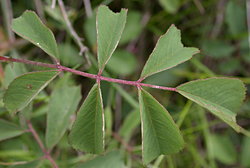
173,25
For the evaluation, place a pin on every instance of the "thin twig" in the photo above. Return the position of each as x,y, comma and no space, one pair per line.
198,4
125,144
219,18
36,136
8,16
8,45
41,145
39,9
118,111
53,4
51,161
13,163
88,9
88,75
78,40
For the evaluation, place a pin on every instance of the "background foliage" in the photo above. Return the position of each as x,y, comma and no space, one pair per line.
218,28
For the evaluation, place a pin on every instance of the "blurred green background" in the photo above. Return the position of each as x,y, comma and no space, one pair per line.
217,27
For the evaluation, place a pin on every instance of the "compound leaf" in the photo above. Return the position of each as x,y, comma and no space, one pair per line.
87,133
24,88
110,26
160,135
9,130
62,105
31,28
221,96
168,52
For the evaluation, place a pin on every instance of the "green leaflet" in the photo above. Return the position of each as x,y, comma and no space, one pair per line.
62,105
222,149
168,52
170,6
221,96
160,135
108,120
133,27
131,122
234,14
24,88
110,160
245,152
11,71
31,28
69,55
9,130
109,30
90,30
87,133
128,65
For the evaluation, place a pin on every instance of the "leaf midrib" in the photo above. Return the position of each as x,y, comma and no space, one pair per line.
154,130
212,106
109,44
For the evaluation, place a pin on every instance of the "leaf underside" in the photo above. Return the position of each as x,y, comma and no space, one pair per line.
168,52
110,26
30,27
24,88
160,135
221,96
87,133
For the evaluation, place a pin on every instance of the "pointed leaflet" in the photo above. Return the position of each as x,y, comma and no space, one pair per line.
62,105
24,88
87,133
31,28
160,135
221,96
168,52
109,30
9,130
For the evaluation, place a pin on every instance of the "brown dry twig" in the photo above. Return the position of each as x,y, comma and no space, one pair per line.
78,40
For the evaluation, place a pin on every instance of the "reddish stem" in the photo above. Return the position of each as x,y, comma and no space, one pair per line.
36,136
40,143
88,75
125,144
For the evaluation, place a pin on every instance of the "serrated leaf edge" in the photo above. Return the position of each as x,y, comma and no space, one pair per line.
115,13
167,113
103,120
21,35
234,125
33,95
145,76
